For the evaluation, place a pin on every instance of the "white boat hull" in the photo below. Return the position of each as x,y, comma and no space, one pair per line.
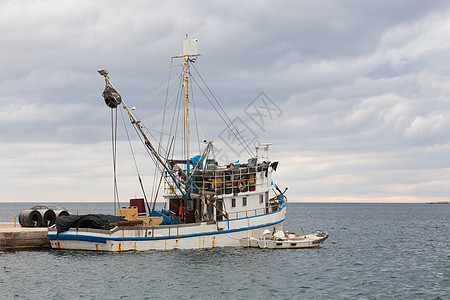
249,242
225,233
307,241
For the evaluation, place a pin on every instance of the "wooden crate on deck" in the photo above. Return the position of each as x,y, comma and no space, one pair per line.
128,212
131,213
151,221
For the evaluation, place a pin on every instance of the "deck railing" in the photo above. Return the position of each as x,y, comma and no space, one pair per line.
252,212
174,230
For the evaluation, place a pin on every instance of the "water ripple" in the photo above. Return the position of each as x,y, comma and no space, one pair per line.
375,251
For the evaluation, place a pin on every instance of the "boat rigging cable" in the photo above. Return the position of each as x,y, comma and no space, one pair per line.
196,122
230,125
179,107
217,107
144,71
112,100
169,146
114,154
159,91
160,178
159,164
148,145
134,160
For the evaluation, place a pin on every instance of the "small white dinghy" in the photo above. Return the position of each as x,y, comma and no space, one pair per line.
285,240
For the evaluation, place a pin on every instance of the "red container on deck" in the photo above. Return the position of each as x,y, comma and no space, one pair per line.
140,203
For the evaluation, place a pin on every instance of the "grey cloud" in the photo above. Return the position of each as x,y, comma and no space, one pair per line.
362,85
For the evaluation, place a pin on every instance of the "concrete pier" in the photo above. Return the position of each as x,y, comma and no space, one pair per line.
22,238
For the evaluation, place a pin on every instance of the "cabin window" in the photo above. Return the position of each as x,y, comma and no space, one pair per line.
244,201
261,199
233,202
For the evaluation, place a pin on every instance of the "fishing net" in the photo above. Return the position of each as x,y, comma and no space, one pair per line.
112,97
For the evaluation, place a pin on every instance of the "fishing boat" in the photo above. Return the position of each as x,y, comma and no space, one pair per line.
284,240
206,204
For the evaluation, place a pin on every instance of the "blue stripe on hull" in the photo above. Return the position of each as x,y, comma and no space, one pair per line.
96,239
72,237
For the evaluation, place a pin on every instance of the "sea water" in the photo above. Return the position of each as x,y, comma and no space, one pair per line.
375,251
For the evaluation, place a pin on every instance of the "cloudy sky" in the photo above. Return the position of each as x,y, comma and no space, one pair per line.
358,92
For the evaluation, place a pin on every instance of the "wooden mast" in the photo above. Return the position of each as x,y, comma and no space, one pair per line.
189,54
186,96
